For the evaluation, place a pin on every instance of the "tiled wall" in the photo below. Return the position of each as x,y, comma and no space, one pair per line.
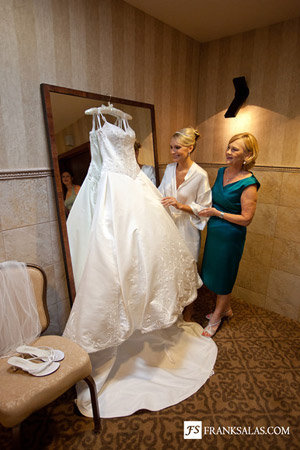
269,60
29,232
269,273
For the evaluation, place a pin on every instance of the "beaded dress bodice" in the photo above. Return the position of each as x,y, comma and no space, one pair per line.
116,142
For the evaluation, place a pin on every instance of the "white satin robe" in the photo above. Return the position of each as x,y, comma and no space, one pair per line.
195,192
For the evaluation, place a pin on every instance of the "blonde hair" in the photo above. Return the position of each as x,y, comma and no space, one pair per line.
250,146
187,137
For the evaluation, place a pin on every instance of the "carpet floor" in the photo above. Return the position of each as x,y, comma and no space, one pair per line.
255,389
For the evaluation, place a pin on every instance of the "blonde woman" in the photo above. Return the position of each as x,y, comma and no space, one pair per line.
234,203
186,189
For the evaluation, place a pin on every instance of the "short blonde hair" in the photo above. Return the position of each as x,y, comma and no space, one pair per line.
251,147
187,136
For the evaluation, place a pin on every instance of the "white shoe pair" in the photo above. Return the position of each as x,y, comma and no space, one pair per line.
43,361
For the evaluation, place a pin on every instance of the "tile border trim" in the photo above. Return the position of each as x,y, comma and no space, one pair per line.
256,167
15,174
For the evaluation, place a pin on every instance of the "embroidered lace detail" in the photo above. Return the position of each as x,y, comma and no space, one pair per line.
165,301
117,149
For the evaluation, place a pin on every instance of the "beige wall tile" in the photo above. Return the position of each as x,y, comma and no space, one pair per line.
2,250
212,174
63,309
51,199
51,288
54,327
249,296
253,277
270,185
286,256
284,308
258,249
264,221
13,140
60,282
287,226
290,190
24,202
284,287
56,242
29,244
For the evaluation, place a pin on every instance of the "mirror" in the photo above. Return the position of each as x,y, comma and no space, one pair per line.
68,130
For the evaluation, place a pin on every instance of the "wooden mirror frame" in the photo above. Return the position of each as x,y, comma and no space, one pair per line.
46,90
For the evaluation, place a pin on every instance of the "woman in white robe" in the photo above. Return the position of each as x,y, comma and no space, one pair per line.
186,189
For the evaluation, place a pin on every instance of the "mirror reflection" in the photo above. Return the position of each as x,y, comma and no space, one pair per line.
72,127
71,119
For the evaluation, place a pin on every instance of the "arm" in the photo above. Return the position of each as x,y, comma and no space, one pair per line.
248,204
171,201
197,203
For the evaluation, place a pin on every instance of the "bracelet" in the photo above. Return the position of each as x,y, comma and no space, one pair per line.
221,215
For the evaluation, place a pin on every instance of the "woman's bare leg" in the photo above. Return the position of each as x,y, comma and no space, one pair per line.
222,305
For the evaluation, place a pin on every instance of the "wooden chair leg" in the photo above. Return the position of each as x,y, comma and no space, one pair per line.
16,437
96,415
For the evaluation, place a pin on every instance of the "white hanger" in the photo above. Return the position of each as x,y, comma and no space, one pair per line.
109,110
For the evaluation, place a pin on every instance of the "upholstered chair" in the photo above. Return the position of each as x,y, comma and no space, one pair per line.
21,393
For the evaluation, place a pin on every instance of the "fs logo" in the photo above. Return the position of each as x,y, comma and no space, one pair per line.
192,429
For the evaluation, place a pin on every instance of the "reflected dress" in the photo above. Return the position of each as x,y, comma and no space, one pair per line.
225,240
138,277
80,219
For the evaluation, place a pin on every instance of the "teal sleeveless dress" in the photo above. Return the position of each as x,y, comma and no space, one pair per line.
70,200
225,241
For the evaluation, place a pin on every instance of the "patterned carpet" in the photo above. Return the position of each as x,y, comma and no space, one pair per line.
256,384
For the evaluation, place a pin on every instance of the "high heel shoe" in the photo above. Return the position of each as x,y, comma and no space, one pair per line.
43,353
226,314
38,369
211,329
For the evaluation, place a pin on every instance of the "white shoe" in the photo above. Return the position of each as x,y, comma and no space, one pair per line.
43,353
37,369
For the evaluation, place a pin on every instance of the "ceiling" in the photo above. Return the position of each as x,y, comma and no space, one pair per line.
206,20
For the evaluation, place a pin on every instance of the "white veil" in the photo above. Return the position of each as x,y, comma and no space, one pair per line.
19,319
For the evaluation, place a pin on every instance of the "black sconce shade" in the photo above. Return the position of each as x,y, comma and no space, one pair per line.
241,93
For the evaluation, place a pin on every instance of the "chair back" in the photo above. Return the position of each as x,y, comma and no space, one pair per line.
39,283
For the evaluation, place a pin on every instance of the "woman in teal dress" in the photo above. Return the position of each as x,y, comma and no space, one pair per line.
234,197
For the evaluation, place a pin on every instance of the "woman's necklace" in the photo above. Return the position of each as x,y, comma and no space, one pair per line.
229,178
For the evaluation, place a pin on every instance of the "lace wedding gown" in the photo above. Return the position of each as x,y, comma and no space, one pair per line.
138,277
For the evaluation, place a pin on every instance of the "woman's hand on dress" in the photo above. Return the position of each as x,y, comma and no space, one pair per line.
208,212
170,201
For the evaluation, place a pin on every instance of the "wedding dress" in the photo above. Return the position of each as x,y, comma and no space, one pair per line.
81,215
138,277
139,273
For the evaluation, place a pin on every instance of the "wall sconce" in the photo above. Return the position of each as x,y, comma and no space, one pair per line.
241,93
69,140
